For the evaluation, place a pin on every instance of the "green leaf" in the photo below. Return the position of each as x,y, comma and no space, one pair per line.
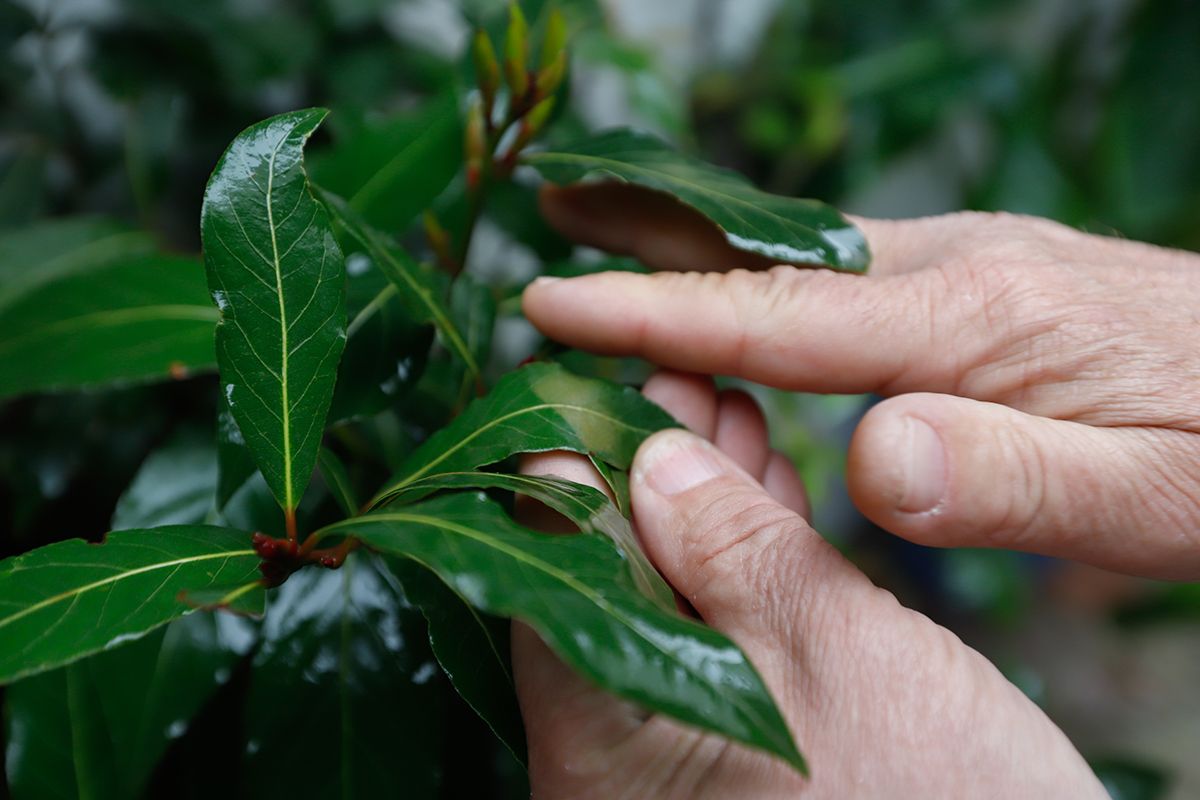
418,288
537,408
578,594
58,745
99,726
278,277
473,309
141,319
391,170
473,650
333,472
68,600
780,228
586,507
386,350
174,486
345,673
51,250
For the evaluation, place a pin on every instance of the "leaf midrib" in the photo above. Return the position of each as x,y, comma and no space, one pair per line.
79,590
285,418
491,423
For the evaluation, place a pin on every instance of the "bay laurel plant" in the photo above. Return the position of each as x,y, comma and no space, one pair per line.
346,544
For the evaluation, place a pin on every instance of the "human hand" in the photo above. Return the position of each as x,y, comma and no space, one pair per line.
883,702
1044,383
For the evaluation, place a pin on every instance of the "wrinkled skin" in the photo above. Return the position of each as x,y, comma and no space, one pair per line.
1044,394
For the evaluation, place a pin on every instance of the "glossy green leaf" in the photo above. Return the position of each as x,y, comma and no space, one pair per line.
781,228
537,408
138,319
99,726
51,250
175,485
278,277
418,288
578,594
90,597
391,170
472,648
586,507
345,698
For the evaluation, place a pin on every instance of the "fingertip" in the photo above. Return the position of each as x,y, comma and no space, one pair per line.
896,465
783,482
741,431
690,398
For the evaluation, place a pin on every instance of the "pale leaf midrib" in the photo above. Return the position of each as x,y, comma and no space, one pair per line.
79,590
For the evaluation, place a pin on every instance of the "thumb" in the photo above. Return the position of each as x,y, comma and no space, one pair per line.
726,544
951,472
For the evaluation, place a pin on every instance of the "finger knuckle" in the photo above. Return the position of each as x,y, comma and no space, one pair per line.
733,535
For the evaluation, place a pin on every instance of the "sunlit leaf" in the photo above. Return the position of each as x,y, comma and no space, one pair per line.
537,408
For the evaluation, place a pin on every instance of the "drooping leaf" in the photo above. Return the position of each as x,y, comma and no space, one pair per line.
780,228
51,250
68,600
345,670
473,309
578,594
100,725
391,170
537,408
386,349
175,485
421,290
333,472
473,649
586,507
139,319
278,277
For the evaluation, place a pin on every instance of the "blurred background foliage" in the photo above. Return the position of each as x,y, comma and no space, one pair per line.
1085,111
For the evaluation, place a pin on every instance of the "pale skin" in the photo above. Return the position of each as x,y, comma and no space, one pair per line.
1043,394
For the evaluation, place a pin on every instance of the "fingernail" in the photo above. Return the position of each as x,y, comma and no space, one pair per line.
545,280
925,467
678,461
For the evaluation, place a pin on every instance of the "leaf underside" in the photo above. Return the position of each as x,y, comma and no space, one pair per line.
784,229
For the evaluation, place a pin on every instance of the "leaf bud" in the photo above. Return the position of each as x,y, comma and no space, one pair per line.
516,53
